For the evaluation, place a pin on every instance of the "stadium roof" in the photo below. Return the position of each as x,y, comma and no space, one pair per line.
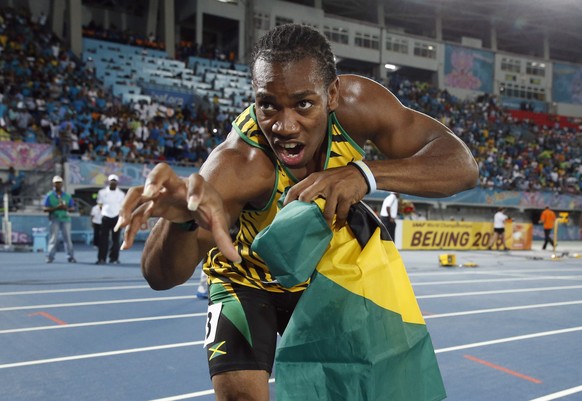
520,24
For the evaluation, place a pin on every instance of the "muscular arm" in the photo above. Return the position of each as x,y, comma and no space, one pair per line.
424,157
225,184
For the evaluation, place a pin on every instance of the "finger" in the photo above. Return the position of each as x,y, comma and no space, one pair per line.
306,192
129,235
295,191
135,223
311,188
161,176
155,180
195,191
342,212
144,213
329,210
223,239
130,202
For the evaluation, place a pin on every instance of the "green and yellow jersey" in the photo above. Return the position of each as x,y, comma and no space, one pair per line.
252,271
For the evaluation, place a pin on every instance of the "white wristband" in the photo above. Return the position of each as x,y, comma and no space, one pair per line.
367,173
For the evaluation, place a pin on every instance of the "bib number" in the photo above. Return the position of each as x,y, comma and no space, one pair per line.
212,322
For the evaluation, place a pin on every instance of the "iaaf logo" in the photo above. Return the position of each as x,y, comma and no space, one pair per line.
169,99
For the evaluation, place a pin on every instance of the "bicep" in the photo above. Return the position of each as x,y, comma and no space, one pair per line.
402,132
369,111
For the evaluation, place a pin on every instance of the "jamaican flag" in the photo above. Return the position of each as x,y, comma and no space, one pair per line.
357,333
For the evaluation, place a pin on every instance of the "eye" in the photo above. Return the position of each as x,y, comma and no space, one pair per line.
266,106
304,105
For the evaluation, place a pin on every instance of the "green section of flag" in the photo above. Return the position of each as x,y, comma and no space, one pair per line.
341,346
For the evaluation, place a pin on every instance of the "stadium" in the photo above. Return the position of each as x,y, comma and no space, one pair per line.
92,89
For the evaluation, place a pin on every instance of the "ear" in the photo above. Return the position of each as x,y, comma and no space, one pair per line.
333,96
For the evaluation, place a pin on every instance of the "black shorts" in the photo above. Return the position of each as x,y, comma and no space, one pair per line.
242,326
499,230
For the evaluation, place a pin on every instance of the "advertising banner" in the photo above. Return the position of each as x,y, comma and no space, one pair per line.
435,235
26,156
567,83
469,68
94,174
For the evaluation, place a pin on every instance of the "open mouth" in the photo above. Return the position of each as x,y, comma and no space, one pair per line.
290,154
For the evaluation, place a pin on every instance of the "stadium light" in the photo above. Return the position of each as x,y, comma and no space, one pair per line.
390,67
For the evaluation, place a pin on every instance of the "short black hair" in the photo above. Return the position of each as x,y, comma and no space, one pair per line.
294,42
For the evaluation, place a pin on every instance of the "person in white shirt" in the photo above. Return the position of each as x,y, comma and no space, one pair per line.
96,223
389,212
499,229
110,198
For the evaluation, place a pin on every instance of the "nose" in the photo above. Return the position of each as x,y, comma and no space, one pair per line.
285,124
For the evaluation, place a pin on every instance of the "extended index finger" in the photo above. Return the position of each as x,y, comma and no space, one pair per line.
223,239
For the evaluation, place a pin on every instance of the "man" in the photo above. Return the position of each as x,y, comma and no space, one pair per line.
548,218
110,198
303,130
58,204
389,212
499,220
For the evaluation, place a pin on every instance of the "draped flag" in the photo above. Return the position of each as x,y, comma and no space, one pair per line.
357,333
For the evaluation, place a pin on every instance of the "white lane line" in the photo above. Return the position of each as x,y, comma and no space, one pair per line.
442,350
135,287
99,354
559,394
193,395
102,323
188,344
495,292
493,272
509,308
87,289
186,396
92,303
489,280
508,339
434,316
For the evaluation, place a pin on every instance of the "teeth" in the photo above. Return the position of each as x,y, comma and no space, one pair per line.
289,145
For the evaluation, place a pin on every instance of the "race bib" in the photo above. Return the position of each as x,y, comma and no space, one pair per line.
212,322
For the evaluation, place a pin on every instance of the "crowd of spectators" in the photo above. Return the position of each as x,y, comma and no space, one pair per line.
512,155
47,95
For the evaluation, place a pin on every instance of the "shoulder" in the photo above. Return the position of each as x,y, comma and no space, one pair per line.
365,106
240,172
